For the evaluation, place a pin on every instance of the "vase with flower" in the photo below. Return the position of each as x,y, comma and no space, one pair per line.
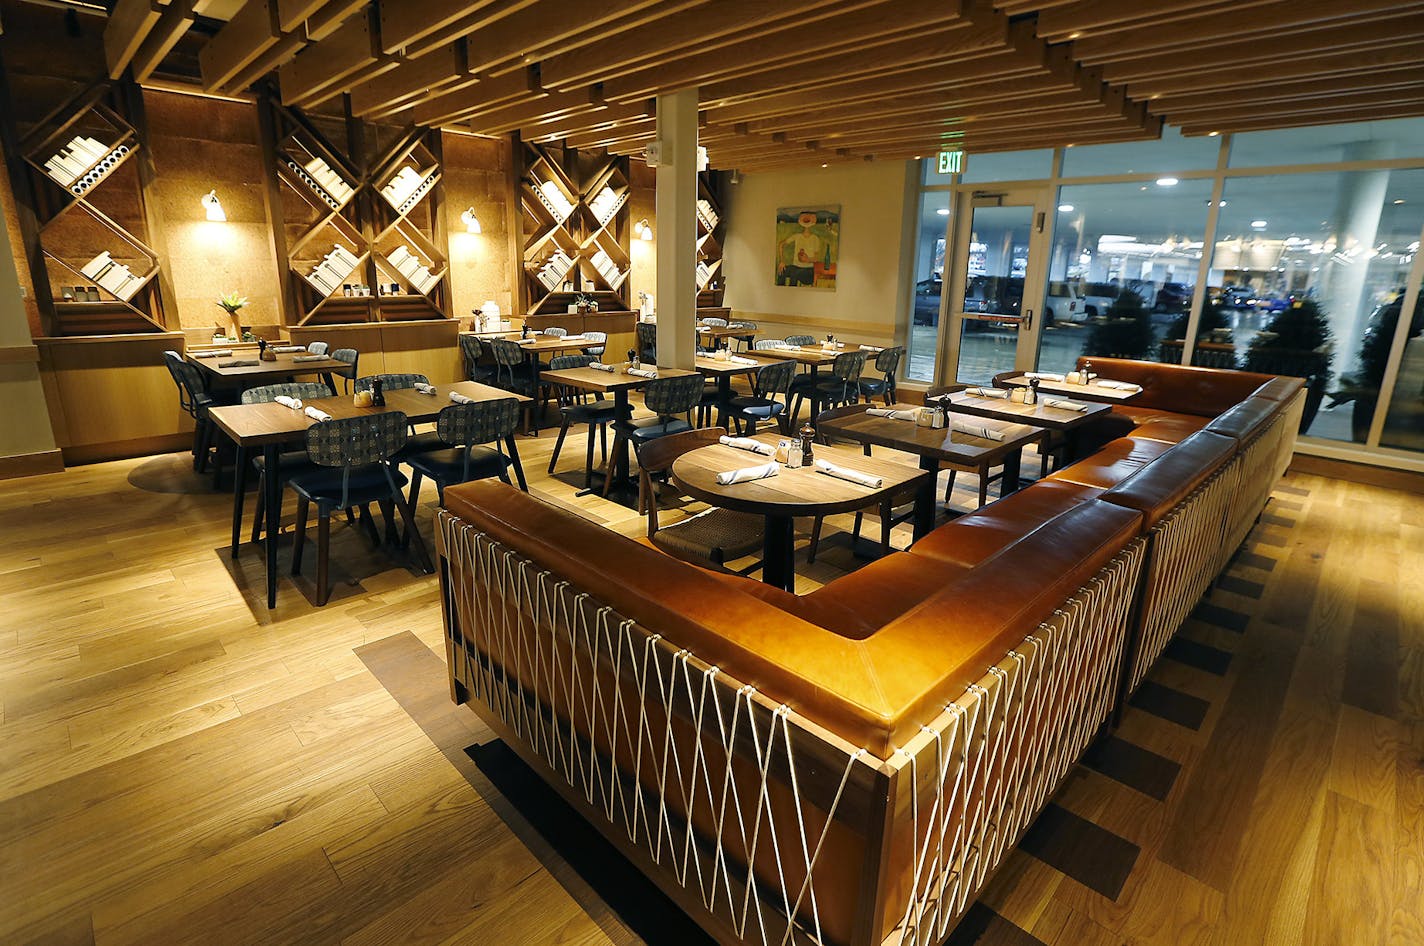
232,304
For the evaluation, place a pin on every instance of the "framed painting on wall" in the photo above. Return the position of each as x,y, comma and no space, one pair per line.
808,242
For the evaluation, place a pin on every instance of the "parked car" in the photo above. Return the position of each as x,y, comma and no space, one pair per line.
1098,297
1172,297
1273,303
1063,303
1238,297
927,293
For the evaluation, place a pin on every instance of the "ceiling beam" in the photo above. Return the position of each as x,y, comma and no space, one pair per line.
126,30
1320,67
403,24
172,24
252,31
484,95
1340,116
442,70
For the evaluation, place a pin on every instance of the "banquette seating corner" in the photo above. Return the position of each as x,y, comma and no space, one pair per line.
850,766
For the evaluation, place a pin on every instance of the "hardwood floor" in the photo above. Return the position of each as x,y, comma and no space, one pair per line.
178,764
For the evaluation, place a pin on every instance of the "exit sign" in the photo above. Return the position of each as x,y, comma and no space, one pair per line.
951,162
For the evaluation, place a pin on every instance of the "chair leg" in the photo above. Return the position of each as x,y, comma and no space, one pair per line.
413,499
388,514
887,514
983,486
409,516
363,515
559,443
323,549
299,539
603,441
513,449
949,486
261,506
815,539
588,460
855,532
619,442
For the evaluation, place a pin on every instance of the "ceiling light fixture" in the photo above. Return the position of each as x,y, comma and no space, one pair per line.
1258,224
644,229
943,211
1065,208
1166,182
471,222
213,207
1213,134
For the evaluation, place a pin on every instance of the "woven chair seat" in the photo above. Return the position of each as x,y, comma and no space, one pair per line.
716,536
323,484
651,428
448,465
594,412
756,406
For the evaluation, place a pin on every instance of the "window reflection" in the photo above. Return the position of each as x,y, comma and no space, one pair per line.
929,278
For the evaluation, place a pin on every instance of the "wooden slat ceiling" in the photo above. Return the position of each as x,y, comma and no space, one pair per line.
820,81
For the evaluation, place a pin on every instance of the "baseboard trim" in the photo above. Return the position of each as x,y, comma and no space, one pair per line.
125,449
1366,473
31,464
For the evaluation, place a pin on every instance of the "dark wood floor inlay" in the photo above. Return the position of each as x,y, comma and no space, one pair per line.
1240,586
1171,705
1213,660
1137,768
1217,616
1291,490
1290,506
1093,856
1252,560
981,926
1267,537
1279,521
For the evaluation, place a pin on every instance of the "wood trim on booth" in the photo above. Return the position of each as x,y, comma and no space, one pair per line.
31,464
1367,473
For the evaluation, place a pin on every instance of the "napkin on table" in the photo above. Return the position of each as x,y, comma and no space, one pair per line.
425,388
285,349
1066,405
850,476
316,414
642,373
747,443
988,392
309,358
871,348
893,415
739,360
219,353
977,430
295,403
239,363
1118,385
459,398
1044,375
749,473
600,366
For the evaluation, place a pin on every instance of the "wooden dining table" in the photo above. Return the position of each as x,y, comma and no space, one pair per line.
1095,391
723,372
269,426
793,492
1065,420
264,371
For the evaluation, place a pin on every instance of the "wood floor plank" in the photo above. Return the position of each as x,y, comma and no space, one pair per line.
1349,905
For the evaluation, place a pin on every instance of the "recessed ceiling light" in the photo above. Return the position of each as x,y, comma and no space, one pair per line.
1166,182
1213,134
1258,224
1065,208
825,165
1398,201
943,211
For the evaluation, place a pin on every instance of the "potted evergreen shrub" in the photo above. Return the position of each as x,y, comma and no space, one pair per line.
1215,342
1362,386
1126,332
1297,343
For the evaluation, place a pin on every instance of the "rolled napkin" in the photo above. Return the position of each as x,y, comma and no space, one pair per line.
425,388
1118,385
316,414
239,363
1044,375
977,430
285,349
1066,405
309,358
749,473
220,353
642,373
747,443
600,366
739,360
988,392
871,348
893,415
851,476
459,398
295,403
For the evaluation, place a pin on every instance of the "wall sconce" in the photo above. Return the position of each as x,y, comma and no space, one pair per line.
471,222
644,230
213,207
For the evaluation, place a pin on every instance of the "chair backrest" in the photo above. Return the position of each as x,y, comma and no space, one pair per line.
192,392
318,348
303,390
742,323
800,339
848,366
888,361
657,456
717,323
647,340
506,353
391,382
668,397
598,339
556,331
357,441
765,343
774,379
563,362
471,350
348,355
468,425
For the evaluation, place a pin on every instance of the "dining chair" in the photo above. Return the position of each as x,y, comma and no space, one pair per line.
391,382
354,469
887,362
290,462
318,348
714,322
743,341
465,430
765,343
842,387
647,333
671,400
885,507
471,351
511,368
800,340
762,404
194,400
350,356
600,344
556,331
576,408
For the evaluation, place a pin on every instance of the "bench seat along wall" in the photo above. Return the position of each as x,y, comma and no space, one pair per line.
694,774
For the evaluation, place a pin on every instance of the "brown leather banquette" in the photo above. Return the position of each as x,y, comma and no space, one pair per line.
849,766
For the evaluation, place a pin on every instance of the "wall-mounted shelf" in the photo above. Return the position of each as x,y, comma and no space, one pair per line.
711,231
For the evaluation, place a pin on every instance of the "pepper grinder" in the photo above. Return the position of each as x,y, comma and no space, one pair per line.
1031,395
808,434
378,397
633,357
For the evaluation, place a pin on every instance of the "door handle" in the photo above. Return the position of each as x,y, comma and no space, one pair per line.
1027,322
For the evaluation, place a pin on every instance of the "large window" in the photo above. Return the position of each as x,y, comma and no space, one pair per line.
1172,152
929,279
1122,271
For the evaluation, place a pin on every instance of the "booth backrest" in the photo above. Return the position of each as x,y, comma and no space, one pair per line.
1157,488
1184,390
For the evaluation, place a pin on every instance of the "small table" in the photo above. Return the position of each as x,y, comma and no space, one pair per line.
266,371
719,332
1065,421
812,355
617,382
793,492
723,372
270,425
1084,392
936,446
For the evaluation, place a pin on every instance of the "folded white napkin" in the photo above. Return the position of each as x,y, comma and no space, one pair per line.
1044,375
749,473
285,349
977,430
851,476
316,414
239,363
220,353
642,373
459,398
871,348
894,415
739,360
309,358
295,403
1118,385
425,388
988,392
600,366
747,443
1066,405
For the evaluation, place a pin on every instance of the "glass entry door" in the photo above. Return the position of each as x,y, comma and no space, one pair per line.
998,275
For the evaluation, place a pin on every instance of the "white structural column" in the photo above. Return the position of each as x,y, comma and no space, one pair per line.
676,206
